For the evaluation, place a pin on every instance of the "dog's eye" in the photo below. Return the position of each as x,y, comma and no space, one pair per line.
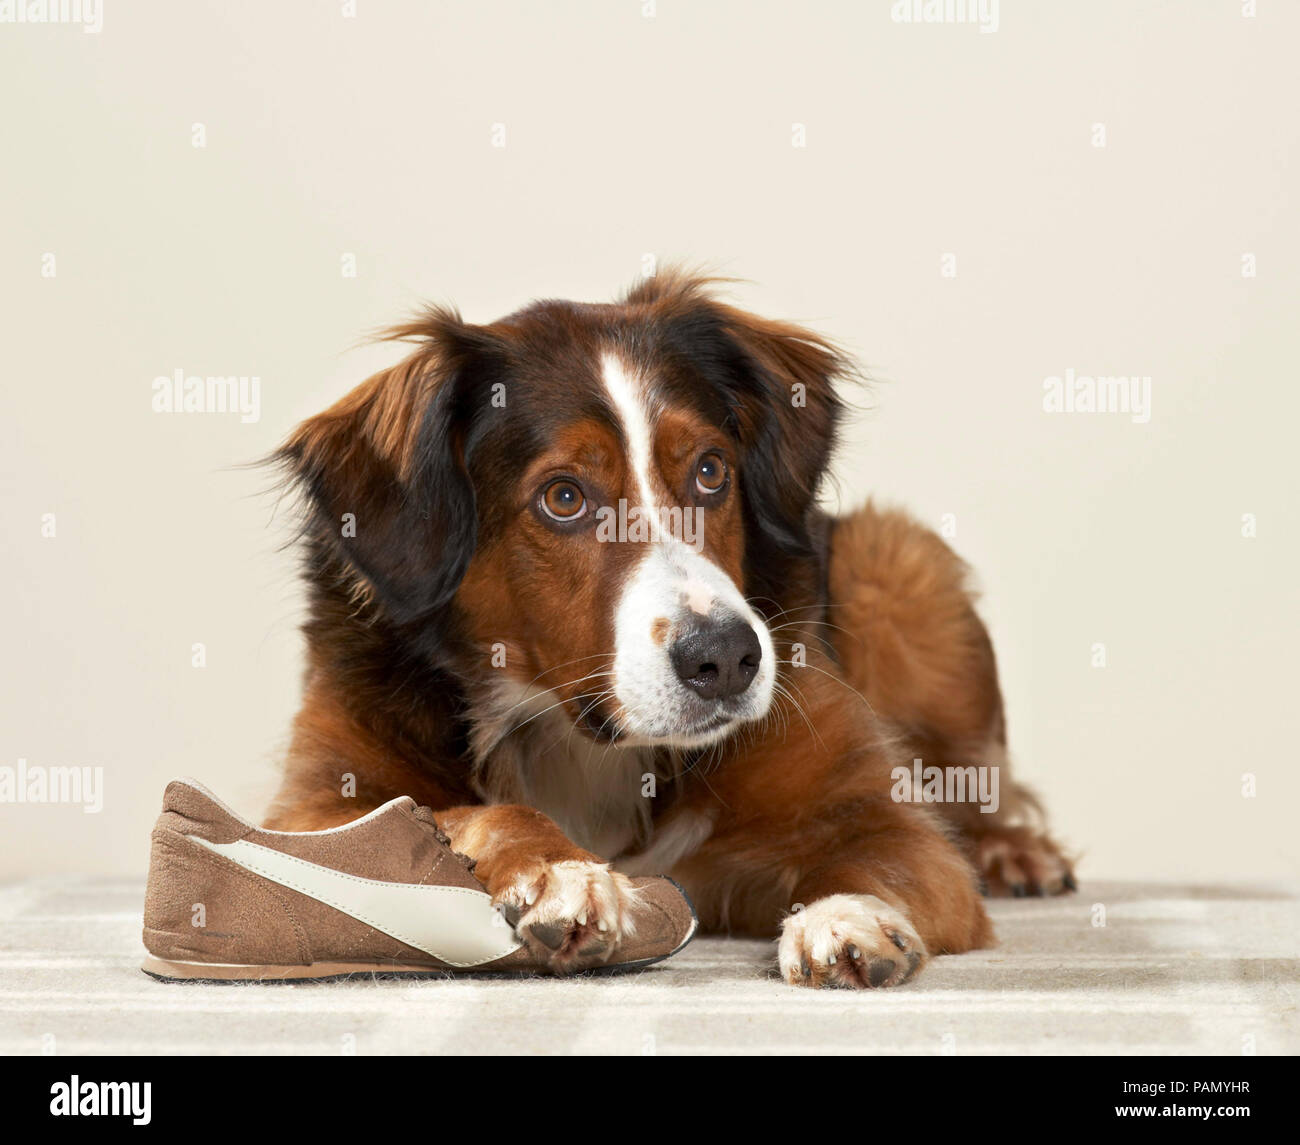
563,501
710,473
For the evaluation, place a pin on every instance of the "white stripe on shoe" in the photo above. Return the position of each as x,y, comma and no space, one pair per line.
457,925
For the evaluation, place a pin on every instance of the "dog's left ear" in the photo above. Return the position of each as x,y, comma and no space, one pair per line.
787,413
779,384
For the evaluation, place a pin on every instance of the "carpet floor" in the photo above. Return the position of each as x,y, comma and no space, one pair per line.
1173,970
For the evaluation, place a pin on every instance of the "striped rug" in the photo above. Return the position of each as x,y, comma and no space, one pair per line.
1173,970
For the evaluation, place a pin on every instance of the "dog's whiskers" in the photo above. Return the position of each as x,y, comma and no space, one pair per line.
831,676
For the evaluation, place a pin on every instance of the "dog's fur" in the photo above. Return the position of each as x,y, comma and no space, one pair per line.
505,667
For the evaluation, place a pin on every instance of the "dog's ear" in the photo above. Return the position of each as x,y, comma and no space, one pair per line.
788,415
779,381
384,472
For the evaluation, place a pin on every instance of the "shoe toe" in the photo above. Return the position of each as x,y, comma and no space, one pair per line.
662,921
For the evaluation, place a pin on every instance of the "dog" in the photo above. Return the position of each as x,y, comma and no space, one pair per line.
569,586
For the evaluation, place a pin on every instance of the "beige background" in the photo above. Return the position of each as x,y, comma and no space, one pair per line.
670,135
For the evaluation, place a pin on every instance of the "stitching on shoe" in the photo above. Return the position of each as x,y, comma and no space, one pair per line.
172,839
437,862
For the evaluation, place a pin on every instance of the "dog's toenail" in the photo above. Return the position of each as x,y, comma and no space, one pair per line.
1017,891
854,953
1070,884
830,961
897,939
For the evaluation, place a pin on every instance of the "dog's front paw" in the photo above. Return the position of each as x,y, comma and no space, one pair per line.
1018,861
849,940
571,915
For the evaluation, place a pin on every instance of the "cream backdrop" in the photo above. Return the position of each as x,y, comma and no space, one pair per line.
671,130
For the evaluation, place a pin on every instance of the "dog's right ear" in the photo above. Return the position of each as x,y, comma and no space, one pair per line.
383,471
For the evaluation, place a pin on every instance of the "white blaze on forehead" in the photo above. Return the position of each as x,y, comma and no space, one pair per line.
668,577
631,402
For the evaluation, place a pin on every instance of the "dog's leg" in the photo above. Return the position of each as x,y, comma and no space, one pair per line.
876,914
567,905
909,639
861,894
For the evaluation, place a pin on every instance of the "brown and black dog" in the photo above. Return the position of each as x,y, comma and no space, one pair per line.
570,587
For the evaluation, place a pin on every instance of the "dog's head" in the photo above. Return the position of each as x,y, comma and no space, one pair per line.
589,507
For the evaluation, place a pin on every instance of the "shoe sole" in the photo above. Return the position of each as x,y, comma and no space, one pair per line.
224,973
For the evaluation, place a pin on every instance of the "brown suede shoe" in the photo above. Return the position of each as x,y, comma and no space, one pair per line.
229,901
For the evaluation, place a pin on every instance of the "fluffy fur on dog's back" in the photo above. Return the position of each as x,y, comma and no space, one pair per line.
726,707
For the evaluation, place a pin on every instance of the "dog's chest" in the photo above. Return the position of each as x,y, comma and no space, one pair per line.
595,794
600,796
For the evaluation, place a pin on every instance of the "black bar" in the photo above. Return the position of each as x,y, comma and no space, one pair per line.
336,1094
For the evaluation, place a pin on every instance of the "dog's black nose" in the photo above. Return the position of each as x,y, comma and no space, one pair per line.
717,660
